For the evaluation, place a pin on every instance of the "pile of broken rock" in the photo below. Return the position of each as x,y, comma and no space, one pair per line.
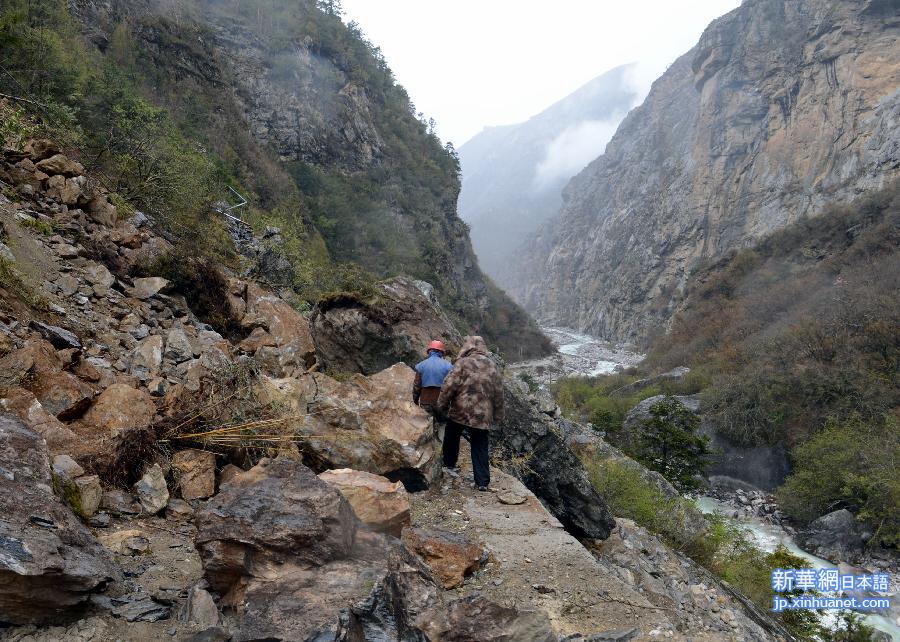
107,532
110,528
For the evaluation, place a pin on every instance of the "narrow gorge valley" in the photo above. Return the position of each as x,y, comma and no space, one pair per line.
228,237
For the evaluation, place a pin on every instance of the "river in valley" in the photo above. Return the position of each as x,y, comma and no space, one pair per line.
582,355
769,536
578,355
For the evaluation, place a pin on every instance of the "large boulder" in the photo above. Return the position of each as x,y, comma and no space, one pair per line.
115,434
49,562
276,512
282,342
837,536
278,544
530,445
60,164
379,503
366,335
371,424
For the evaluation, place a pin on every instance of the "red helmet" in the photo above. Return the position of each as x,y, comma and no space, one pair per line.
435,345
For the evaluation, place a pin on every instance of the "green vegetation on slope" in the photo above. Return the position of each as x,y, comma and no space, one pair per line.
724,549
794,341
154,111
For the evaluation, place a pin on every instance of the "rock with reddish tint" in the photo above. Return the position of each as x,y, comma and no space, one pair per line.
379,503
288,331
195,473
60,164
101,211
452,556
49,562
62,394
371,424
41,148
228,473
115,436
118,408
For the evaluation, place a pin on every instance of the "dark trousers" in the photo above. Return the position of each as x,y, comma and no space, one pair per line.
478,440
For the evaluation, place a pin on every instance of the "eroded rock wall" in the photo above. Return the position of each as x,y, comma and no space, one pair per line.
781,109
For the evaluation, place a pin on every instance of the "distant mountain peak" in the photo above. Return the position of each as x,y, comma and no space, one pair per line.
513,175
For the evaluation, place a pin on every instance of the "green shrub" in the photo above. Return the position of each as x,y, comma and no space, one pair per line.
669,444
724,548
850,464
629,495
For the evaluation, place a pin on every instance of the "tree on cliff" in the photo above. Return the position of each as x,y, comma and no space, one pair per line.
669,444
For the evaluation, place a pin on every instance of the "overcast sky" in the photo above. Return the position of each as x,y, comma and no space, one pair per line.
473,63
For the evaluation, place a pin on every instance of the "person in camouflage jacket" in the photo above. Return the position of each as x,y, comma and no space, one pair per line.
471,398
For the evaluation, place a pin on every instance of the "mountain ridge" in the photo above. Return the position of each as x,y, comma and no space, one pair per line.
733,141
512,175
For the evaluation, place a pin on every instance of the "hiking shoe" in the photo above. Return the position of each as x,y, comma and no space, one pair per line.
482,489
452,472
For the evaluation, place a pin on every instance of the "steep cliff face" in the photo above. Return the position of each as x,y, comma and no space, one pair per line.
512,176
780,109
287,88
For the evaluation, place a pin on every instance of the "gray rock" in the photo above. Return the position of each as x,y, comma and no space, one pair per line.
200,608
178,346
6,254
151,490
66,467
146,358
552,471
49,562
68,285
118,502
144,288
97,274
140,607
837,536
59,337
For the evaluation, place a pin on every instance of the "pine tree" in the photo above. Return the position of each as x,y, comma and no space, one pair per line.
669,444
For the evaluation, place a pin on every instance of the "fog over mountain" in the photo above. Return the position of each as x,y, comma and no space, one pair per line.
513,174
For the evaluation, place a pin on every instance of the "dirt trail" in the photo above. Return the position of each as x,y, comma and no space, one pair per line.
534,563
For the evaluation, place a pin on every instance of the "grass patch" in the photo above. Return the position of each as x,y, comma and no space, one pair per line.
40,226
628,494
13,282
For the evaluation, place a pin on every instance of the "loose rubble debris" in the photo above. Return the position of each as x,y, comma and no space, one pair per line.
125,517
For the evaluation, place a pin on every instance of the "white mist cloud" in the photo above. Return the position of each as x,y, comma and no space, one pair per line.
573,149
579,144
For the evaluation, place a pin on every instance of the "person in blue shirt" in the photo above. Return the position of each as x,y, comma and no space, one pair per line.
430,375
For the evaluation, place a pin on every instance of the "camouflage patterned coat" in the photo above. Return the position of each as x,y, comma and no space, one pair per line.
472,394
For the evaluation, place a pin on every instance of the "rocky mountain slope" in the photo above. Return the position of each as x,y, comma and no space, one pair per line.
780,109
170,467
285,103
513,175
